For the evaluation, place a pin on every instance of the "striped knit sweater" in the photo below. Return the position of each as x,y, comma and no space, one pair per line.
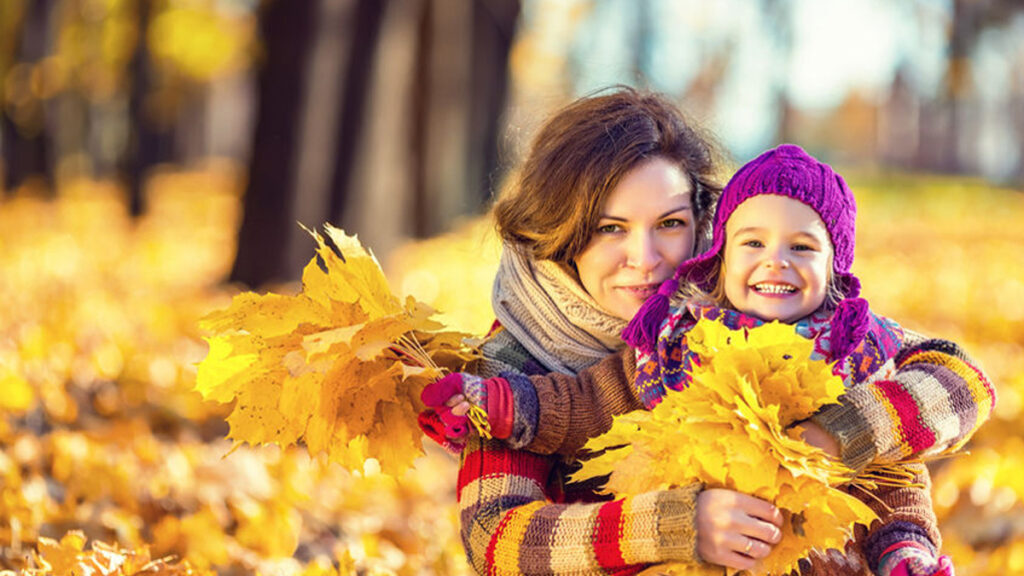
517,517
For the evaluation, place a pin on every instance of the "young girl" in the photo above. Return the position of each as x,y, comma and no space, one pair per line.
782,250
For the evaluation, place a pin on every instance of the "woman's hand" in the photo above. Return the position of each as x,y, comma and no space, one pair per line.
816,436
734,529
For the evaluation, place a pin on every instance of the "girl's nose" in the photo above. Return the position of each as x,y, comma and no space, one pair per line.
776,259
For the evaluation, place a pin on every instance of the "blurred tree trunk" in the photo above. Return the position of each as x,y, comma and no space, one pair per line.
308,129
388,124
958,80
461,83
355,84
148,143
267,216
346,39
11,21
494,31
427,152
27,144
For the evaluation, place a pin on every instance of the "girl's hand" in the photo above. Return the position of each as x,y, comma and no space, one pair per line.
816,436
734,529
450,400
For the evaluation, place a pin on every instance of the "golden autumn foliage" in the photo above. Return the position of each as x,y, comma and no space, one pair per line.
731,429
104,432
69,556
339,366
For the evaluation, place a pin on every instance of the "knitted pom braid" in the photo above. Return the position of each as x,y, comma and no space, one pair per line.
849,326
642,331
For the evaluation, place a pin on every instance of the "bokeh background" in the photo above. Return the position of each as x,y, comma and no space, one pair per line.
157,155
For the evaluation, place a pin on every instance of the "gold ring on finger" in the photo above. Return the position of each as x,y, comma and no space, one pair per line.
750,545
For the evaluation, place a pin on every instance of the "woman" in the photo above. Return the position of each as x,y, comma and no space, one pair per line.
614,194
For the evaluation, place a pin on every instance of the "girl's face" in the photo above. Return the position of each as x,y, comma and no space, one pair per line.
646,230
777,258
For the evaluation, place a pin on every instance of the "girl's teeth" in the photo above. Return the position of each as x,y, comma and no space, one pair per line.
774,289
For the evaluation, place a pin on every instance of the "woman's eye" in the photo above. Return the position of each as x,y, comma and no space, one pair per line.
608,229
673,223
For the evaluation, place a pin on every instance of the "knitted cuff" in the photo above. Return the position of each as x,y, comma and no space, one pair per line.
853,433
526,412
893,533
500,407
677,524
912,559
552,419
474,389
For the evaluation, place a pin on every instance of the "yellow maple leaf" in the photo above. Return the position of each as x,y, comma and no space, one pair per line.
337,367
730,429
62,557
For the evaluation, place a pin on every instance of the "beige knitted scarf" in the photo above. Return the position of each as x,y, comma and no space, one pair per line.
550,313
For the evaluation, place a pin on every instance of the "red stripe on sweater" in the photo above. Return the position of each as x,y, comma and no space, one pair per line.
501,460
492,567
914,432
607,535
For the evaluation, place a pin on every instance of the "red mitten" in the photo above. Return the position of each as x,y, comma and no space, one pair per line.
492,397
433,425
437,394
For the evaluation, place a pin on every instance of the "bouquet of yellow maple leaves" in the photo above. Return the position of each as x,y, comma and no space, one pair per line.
338,367
731,429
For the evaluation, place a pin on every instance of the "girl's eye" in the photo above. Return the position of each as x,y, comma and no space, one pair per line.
753,243
609,229
803,248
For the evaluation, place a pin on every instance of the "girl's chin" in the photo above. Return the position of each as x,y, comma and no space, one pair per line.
784,317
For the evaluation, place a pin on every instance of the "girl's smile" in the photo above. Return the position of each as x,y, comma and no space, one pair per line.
780,289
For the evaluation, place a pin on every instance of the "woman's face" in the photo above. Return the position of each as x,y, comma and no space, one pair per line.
777,258
646,230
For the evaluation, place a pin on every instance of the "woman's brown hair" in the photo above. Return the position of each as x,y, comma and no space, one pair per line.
579,155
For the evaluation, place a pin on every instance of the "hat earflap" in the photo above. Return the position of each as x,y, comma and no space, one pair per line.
642,331
851,320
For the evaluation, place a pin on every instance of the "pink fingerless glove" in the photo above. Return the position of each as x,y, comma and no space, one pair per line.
493,395
910,558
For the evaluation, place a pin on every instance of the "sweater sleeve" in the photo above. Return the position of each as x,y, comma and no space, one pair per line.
511,526
933,403
905,513
572,409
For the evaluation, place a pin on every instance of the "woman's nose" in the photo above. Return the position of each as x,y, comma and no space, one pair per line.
642,252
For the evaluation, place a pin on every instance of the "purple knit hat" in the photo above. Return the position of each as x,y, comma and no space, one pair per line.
784,171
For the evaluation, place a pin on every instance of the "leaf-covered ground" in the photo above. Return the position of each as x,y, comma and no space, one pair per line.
102,433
